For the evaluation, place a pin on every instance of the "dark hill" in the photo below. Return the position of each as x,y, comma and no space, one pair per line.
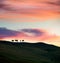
11,52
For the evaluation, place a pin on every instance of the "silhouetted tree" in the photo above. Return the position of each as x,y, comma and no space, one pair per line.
22,40
16,40
12,40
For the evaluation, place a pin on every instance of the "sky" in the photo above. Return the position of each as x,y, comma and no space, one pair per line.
31,20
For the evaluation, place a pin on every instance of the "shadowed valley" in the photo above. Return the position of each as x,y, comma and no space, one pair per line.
14,52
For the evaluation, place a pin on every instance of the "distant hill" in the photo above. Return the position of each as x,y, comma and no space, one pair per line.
11,52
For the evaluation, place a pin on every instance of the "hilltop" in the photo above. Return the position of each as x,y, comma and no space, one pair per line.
11,52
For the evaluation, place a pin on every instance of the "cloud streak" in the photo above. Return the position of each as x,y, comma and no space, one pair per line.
34,32
26,6
30,8
31,34
4,32
57,2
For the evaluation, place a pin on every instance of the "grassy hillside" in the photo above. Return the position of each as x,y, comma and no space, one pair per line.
28,53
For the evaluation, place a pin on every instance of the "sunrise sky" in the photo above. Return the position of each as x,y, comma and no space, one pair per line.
31,20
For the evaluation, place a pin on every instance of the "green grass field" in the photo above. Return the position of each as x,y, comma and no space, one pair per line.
28,53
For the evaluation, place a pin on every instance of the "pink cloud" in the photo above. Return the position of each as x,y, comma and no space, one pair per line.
27,34
18,6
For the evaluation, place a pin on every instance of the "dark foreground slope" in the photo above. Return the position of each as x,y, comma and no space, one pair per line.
28,53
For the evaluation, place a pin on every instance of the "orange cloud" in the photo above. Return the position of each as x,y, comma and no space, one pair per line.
34,8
